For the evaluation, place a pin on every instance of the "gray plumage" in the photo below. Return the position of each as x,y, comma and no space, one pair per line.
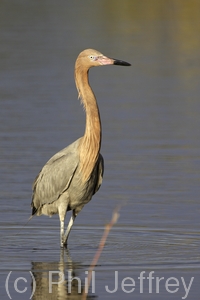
61,177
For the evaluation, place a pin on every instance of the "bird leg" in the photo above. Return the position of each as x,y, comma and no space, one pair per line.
67,232
62,209
62,230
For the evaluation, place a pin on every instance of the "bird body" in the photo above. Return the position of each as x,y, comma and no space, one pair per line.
73,175
65,165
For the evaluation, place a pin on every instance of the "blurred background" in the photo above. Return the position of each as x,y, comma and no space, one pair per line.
151,138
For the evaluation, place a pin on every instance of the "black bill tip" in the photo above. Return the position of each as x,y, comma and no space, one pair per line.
120,63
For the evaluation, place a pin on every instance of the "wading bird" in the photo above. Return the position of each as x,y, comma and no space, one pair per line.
73,175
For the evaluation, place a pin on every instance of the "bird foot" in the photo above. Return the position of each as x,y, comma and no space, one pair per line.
63,246
63,243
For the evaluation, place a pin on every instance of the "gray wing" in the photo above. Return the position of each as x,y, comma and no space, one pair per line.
100,171
55,176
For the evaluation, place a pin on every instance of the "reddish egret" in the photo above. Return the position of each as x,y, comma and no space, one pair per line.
73,175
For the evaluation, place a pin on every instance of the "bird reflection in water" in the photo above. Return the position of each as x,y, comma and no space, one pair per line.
46,283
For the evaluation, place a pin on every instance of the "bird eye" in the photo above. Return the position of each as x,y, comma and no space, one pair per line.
92,57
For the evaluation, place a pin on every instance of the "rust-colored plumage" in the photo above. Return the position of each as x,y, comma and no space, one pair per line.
91,141
73,175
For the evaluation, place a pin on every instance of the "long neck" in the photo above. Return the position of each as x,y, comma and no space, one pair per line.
91,141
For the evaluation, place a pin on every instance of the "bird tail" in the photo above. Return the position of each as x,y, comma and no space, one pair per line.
34,210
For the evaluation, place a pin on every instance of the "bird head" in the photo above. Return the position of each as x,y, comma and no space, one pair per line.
93,58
